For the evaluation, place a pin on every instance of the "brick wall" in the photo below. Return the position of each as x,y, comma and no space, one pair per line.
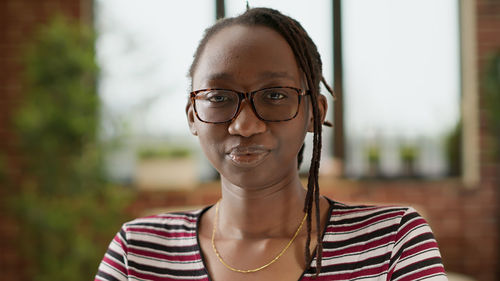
482,220
18,19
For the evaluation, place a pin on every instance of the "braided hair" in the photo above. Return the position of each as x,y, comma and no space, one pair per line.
309,62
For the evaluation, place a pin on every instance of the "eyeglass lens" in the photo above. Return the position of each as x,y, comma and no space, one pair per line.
273,104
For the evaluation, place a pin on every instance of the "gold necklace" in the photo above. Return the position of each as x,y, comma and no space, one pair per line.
258,268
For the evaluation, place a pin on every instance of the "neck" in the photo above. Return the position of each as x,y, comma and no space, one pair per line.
263,212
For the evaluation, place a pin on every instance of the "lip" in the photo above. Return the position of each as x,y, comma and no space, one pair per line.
247,156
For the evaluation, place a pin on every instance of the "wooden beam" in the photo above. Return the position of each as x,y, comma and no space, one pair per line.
220,11
338,108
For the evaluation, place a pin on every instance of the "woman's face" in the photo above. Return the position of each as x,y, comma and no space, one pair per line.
250,152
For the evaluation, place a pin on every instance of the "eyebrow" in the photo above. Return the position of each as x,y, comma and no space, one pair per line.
262,75
273,74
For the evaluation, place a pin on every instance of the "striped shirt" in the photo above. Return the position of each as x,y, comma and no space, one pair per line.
359,243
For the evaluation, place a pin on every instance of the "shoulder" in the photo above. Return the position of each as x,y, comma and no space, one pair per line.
153,247
367,214
167,225
391,241
395,236
389,223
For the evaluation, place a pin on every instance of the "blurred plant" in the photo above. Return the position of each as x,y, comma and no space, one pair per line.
492,99
3,168
453,146
408,155
373,156
66,209
166,152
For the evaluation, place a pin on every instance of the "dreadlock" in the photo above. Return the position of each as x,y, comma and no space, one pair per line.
309,62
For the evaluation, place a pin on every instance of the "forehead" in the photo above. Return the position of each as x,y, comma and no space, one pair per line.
246,55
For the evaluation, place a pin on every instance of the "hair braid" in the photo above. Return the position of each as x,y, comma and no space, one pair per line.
309,61
303,62
306,62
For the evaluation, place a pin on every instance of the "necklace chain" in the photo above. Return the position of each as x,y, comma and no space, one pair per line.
258,268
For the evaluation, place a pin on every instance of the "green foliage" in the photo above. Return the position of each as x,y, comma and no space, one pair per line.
64,237
491,88
2,168
453,146
373,154
66,209
58,119
408,153
166,152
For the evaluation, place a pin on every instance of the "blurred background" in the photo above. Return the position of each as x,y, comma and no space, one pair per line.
93,129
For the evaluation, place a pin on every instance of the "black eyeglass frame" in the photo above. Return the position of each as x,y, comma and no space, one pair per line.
248,96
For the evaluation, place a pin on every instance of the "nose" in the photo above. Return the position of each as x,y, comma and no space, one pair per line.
246,123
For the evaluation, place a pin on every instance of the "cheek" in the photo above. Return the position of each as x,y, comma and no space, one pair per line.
211,142
291,139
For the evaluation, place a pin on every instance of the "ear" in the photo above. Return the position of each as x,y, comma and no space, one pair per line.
190,114
322,107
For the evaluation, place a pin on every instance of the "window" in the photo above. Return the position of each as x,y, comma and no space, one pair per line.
401,65
144,50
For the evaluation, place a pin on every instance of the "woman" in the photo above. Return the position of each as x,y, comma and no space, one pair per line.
255,81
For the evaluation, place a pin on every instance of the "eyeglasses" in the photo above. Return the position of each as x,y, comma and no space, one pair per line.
274,104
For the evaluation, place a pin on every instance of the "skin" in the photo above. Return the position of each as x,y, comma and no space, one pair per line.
262,196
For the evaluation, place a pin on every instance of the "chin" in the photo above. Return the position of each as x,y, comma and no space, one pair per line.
257,177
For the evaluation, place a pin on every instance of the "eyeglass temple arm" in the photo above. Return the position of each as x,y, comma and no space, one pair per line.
326,122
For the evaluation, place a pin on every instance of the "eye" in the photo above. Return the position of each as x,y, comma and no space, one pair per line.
275,95
218,98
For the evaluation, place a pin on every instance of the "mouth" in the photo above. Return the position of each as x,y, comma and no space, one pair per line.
247,156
